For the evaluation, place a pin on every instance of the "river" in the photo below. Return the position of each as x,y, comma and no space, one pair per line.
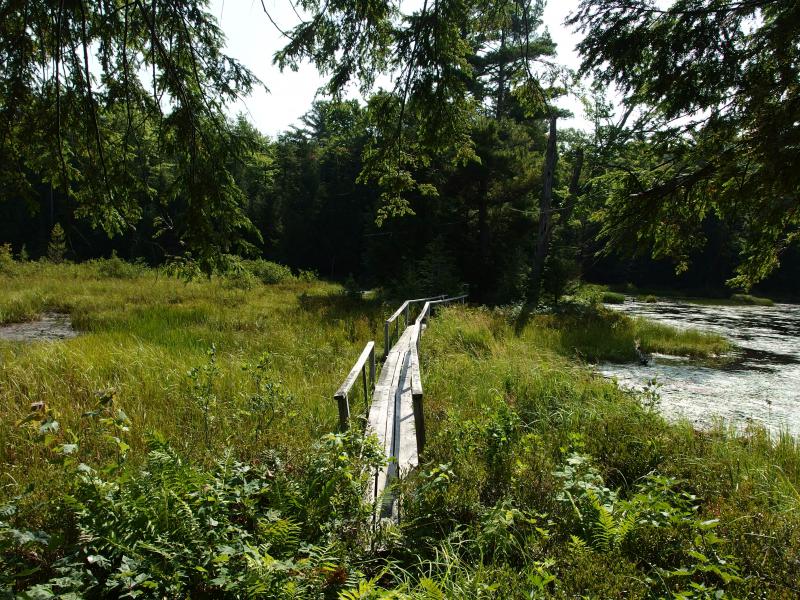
759,382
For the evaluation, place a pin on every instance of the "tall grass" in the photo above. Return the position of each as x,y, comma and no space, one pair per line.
141,335
540,479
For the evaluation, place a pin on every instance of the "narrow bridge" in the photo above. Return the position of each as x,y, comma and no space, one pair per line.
395,411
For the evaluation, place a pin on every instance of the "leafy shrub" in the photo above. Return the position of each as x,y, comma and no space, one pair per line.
178,530
6,258
116,268
613,298
268,272
307,276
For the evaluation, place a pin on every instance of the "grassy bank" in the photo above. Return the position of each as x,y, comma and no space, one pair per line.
597,334
280,351
540,479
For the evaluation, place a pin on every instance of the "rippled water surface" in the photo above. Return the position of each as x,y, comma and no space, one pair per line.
761,381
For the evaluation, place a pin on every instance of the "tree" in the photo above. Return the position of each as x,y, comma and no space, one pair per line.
64,69
57,247
430,111
710,123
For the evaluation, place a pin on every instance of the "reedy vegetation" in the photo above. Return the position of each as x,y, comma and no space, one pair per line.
540,479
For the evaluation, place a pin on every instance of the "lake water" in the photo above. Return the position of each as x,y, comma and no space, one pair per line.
760,381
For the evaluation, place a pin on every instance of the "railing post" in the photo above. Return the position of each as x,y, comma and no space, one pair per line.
344,411
419,421
385,340
408,308
366,391
372,367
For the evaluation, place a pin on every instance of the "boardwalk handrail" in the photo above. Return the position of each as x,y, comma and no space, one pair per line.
404,310
416,389
342,394
426,309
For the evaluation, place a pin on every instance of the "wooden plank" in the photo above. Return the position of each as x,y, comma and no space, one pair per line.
386,436
407,455
344,389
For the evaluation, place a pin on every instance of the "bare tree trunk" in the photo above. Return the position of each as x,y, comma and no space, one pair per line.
545,217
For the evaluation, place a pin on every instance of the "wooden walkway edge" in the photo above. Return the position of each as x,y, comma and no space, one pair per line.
396,413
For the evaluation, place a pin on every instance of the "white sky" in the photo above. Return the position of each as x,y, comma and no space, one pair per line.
253,40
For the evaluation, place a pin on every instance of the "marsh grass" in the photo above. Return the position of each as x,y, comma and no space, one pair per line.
143,332
540,478
751,300
502,424
613,298
596,335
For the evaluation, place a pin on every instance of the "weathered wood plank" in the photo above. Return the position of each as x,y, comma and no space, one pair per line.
345,388
386,437
407,455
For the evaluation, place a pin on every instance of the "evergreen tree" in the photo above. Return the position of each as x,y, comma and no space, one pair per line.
57,247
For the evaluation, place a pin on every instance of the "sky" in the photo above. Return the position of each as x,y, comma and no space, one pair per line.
253,40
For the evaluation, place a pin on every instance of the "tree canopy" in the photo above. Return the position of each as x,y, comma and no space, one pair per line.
95,93
711,96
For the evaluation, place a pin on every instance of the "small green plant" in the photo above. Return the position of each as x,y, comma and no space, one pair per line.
649,396
202,392
57,248
269,395
6,258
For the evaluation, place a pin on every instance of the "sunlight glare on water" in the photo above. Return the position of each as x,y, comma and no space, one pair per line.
761,381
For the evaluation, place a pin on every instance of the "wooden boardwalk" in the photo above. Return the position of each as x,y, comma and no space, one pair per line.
391,418
395,413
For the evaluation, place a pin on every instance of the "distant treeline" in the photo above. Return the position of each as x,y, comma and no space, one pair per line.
304,198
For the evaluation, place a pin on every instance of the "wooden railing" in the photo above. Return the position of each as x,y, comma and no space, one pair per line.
342,395
403,310
416,389
388,402
416,376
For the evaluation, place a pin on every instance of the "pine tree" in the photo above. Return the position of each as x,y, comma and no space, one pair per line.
57,247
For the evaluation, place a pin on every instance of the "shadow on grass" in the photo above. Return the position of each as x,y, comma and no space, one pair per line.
341,306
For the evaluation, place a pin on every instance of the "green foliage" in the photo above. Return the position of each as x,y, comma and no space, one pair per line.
539,478
349,42
116,268
97,128
595,334
269,272
57,247
175,529
613,298
6,258
708,125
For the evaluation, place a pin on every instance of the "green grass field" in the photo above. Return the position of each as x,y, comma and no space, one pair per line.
220,479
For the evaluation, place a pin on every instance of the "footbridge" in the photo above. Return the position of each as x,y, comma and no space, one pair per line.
394,400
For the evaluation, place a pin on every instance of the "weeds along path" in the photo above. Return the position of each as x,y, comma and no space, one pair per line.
395,413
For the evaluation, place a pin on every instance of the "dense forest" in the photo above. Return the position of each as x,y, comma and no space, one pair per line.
676,186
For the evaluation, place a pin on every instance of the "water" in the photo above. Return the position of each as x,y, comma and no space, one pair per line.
759,382
48,327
